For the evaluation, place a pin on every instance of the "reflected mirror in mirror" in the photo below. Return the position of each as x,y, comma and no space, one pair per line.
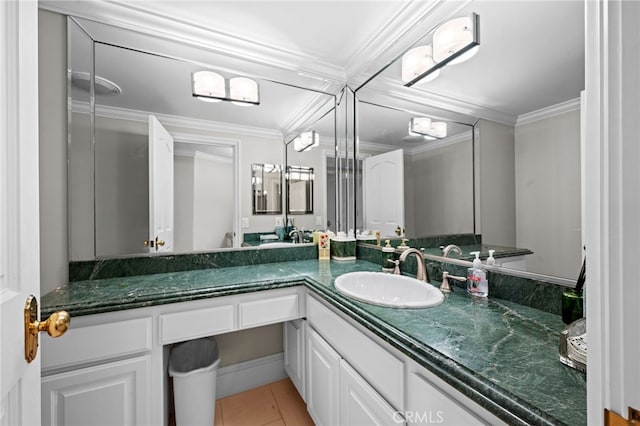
310,154
266,185
299,190
110,202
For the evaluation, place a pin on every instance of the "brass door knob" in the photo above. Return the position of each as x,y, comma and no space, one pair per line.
159,242
56,325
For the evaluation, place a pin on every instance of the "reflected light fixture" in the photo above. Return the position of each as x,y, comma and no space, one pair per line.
208,86
305,141
416,61
429,129
453,42
244,91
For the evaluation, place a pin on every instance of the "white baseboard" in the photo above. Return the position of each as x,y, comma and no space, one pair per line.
250,374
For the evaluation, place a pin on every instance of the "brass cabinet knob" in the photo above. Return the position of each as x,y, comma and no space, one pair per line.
56,325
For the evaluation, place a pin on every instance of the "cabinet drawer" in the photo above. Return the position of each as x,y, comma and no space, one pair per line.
182,326
379,367
268,311
96,343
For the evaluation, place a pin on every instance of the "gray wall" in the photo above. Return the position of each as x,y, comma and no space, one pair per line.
442,190
52,67
183,198
547,170
495,189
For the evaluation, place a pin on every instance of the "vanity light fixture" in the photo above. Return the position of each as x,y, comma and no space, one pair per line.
244,91
429,129
210,86
453,42
306,141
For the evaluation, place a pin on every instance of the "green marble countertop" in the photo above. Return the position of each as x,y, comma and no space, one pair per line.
500,354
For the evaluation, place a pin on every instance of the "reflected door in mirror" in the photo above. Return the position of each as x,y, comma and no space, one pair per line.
299,190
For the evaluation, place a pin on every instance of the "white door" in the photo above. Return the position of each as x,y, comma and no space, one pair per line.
160,187
384,192
19,226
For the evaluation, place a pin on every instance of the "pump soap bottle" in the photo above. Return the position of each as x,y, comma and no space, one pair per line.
477,284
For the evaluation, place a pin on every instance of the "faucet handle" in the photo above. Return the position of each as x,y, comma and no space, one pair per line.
396,262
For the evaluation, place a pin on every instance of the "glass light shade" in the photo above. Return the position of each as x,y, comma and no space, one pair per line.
451,37
420,125
416,61
306,141
208,85
429,129
438,129
243,91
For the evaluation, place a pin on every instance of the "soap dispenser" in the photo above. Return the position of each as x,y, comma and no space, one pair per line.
403,245
491,260
477,284
388,257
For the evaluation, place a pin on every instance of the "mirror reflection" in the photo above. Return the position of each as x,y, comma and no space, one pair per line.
266,182
123,200
418,183
299,190
524,161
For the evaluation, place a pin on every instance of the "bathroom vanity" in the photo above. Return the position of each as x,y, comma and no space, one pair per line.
460,362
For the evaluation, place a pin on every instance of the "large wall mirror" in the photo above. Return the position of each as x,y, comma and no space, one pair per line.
514,180
130,104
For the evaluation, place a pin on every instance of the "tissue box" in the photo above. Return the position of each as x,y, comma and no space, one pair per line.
343,248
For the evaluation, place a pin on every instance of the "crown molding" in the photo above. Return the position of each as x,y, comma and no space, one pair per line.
391,89
132,17
548,112
176,121
441,143
424,147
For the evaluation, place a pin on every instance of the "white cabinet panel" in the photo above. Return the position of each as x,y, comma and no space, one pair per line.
181,326
360,404
268,311
323,364
427,403
382,369
87,344
294,353
108,394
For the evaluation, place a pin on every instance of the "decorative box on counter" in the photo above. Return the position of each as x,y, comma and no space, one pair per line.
343,247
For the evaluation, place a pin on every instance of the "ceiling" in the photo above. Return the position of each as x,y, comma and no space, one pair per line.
531,54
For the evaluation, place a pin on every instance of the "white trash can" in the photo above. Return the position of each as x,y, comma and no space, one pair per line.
193,366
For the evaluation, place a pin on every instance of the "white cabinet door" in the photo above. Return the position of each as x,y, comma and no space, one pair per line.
294,342
427,404
109,394
360,404
323,364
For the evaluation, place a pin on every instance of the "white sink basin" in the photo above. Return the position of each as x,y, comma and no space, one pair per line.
384,289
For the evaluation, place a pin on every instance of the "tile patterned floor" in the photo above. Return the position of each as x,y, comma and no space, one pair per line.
275,404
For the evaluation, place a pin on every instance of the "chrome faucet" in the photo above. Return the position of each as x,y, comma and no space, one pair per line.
298,236
422,273
450,248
